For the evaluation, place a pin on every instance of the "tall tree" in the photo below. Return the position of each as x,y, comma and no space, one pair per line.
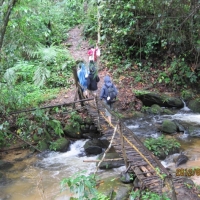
5,20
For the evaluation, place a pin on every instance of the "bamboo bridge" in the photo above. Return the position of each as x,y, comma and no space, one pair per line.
138,159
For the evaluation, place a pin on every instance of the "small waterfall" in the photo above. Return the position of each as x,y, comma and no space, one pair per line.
185,108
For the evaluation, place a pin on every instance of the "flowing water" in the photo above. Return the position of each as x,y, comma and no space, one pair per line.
39,176
190,146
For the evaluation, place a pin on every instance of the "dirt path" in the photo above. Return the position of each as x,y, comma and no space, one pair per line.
78,49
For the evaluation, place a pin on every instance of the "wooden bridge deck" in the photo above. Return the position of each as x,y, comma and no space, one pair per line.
141,161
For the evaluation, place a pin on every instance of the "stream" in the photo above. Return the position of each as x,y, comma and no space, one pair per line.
38,176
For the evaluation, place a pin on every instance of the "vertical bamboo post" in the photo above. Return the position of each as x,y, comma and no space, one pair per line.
122,145
75,98
77,85
97,107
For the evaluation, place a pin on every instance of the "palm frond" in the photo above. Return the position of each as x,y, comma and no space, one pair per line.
51,53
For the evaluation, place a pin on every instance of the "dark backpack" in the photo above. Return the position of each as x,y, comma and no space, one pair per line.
112,94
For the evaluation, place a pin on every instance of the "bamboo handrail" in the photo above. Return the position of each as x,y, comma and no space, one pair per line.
53,106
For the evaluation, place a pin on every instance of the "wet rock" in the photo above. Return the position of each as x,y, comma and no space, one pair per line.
61,144
194,105
169,126
179,126
96,146
194,131
94,150
126,177
162,152
150,98
4,165
44,154
155,109
181,159
167,111
72,131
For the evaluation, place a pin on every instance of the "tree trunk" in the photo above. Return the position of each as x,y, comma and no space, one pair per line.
99,22
6,20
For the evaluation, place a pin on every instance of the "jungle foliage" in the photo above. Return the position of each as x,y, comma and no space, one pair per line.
152,40
33,55
34,64
152,35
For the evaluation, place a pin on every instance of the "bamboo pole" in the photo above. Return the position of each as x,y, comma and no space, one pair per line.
105,160
115,130
75,98
97,113
122,145
45,107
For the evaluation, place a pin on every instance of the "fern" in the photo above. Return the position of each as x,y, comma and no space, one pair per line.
40,76
10,76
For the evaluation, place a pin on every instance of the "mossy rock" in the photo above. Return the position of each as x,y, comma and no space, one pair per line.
194,105
155,109
61,144
169,126
43,145
167,111
162,152
72,131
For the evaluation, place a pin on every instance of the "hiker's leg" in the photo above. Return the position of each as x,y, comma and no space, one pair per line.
108,115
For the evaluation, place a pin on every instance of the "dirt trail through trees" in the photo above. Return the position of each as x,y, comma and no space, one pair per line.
78,46
78,49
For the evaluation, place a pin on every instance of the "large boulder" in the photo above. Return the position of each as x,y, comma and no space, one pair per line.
169,126
61,144
96,146
194,105
150,98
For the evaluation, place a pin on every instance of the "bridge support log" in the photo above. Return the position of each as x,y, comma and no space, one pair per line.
122,146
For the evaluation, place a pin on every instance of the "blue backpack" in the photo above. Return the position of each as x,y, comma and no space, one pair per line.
112,94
